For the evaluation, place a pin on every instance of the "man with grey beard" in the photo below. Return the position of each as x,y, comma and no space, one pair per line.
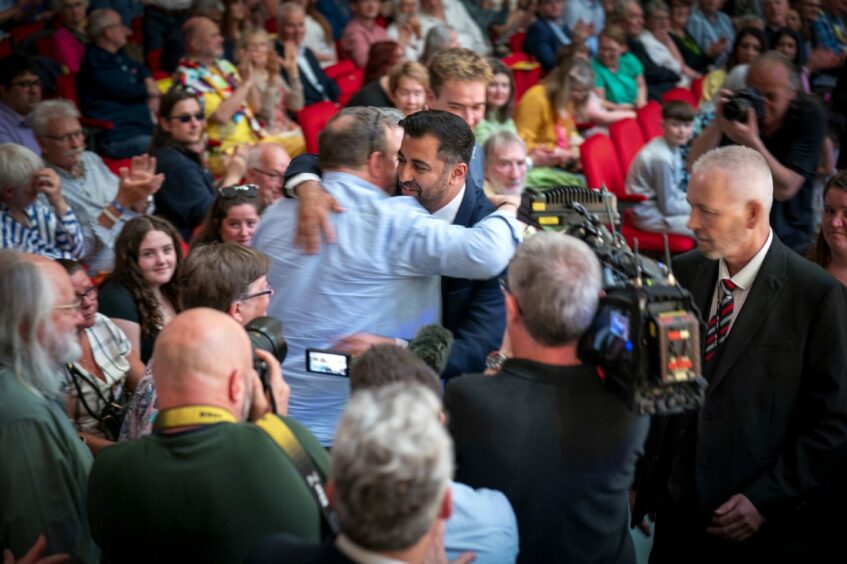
44,465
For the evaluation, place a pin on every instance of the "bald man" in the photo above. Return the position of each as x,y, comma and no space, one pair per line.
212,485
266,166
736,480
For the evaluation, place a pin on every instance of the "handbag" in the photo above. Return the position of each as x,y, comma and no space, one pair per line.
111,415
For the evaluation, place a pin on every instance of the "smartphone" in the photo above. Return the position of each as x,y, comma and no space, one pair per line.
328,362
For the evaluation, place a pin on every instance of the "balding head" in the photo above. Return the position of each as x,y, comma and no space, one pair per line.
202,39
203,357
266,166
747,174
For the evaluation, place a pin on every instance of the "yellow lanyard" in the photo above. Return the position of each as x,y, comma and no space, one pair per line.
191,415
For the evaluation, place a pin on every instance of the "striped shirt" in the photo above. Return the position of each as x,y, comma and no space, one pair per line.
46,234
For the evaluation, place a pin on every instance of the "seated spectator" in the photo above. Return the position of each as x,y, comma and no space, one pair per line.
100,200
588,109
660,46
205,466
173,50
546,35
585,441
29,224
499,102
619,74
236,21
749,44
505,164
694,56
712,29
69,39
830,250
233,216
336,13
44,484
776,17
794,20
790,43
657,171
266,166
107,368
454,14
290,26
115,88
588,13
318,34
142,295
407,29
437,39
657,76
408,83
361,32
390,483
828,27
20,92
383,56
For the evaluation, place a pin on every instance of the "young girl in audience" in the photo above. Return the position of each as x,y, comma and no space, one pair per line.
234,216
141,294
830,251
499,102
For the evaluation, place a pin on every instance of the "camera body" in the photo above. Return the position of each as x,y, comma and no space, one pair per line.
735,109
266,333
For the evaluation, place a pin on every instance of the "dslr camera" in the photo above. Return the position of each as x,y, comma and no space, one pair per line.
735,109
266,333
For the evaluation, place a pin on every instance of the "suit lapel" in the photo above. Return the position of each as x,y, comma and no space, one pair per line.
766,287
463,215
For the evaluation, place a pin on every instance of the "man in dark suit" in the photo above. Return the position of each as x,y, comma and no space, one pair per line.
291,26
736,480
544,430
545,36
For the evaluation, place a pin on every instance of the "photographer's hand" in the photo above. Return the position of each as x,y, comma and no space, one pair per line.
279,388
743,133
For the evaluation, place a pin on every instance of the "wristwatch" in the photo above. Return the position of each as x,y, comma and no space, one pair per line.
495,360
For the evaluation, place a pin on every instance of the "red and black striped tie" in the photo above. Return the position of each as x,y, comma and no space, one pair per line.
718,328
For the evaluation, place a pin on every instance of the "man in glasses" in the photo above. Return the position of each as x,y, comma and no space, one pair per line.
20,91
266,166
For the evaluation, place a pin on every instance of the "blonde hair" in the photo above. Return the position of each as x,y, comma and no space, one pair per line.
408,69
241,50
458,64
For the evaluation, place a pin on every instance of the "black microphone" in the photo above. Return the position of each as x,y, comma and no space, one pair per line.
432,345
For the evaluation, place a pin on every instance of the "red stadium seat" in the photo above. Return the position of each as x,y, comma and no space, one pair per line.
516,41
650,120
681,94
115,165
340,68
154,63
312,119
348,77
697,88
527,72
20,32
653,242
601,166
137,26
628,140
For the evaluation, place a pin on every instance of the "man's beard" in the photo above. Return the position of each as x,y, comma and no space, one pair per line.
63,348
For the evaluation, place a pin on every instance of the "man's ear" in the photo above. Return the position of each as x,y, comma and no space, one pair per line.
753,214
234,311
513,311
459,173
235,386
446,505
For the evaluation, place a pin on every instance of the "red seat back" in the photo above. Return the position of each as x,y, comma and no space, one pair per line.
527,73
348,77
650,120
20,32
681,94
628,140
312,119
516,41
154,60
66,88
697,88
340,68
600,164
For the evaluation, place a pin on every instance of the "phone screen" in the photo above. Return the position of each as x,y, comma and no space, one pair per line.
327,362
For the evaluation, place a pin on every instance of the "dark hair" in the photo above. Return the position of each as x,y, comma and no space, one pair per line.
800,54
455,137
127,273
502,114
679,111
820,252
174,96
353,134
381,57
381,365
732,60
219,274
71,266
13,66
210,229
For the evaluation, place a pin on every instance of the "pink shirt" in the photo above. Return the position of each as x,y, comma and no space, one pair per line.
357,39
67,49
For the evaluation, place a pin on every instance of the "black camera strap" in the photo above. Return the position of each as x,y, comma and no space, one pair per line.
76,375
282,435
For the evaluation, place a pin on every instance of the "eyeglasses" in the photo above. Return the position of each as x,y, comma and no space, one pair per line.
186,118
89,294
75,306
504,287
27,84
68,137
272,175
229,192
268,292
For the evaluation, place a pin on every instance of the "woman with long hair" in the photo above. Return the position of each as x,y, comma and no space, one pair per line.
830,250
233,217
141,294
749,44
499,102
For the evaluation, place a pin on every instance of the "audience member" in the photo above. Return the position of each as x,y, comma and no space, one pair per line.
788,135
317,86
830,250
656,172
115,88
568,485
68,40
505,164
749,44
236,21
587,108
233,216
361,32
439,38
744,490
499,102
20,92
546,35
408,83
454,14
28,224
658,75
619,74
407,29
828,28
694,56
107,369
407,248
390,483
44,474
163,19
100,200
660,45
336,13
776,16
384,55
141,295
712,29
588,13
318,35
204,464
266,166
174,48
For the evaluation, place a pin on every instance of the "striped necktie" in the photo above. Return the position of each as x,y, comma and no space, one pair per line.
718,328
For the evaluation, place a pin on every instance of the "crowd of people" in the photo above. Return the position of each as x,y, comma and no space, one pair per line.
172,257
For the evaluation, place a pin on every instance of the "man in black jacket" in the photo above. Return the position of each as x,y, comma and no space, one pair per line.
291,26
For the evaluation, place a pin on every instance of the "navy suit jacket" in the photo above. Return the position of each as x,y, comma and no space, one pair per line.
542,43
310,93
473,310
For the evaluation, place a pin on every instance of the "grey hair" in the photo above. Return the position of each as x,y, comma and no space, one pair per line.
768,58
98,21
49,110
353,134
747,172
254,157
556,281
285,9
25,316
500,139
436,40
392,461
17,165
651,8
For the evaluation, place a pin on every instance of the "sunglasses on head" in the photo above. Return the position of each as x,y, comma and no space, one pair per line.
249,190
185,118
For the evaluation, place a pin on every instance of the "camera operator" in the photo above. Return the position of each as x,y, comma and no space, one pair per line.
205,486
788,133
566,456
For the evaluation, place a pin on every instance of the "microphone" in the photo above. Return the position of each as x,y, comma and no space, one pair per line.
432,345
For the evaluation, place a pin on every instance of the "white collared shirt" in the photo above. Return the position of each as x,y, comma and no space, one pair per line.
361,555
448,213
743,280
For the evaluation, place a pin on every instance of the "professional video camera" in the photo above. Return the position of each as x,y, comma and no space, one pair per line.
266,333
645,337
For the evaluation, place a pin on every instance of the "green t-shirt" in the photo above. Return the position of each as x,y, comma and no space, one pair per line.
621,87
206,495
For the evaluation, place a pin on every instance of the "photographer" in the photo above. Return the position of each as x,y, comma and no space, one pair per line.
788,133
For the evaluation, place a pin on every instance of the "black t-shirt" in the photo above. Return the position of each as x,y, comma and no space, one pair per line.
371,94
116,302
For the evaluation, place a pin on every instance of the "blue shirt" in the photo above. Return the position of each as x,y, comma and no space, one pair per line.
706,31
382,276
483,522
16,129
46,235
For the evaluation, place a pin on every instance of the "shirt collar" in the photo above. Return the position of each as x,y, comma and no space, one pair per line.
361,555
745,277
13,115
449,212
